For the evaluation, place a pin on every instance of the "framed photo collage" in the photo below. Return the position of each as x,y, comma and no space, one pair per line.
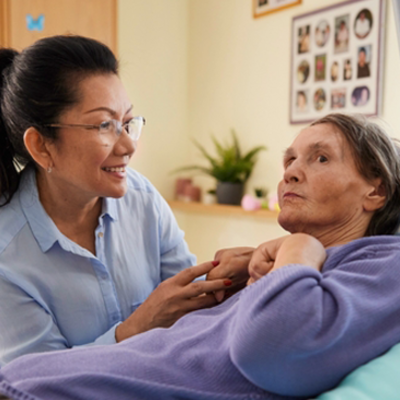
337,60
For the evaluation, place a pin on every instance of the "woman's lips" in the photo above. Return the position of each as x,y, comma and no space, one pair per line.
118,171
290,195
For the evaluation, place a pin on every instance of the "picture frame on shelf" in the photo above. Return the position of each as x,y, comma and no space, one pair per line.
337,60
264,7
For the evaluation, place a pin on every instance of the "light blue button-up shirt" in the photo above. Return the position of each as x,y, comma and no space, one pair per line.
55,294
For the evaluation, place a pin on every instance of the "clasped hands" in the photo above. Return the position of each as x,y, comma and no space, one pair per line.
230,271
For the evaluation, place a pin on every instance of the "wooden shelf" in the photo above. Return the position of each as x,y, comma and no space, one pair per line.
221,209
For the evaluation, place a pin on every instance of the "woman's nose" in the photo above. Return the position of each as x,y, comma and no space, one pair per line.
293,172
125,145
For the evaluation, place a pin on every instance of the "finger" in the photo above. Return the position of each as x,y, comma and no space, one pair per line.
189,274
219,295
199,287
250,281
197,303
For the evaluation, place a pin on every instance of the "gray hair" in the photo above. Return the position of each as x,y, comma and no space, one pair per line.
376,156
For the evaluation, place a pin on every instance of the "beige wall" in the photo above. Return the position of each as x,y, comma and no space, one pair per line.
195,67
153,42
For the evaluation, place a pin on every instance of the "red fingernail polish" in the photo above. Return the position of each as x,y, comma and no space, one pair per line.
215,263
227,282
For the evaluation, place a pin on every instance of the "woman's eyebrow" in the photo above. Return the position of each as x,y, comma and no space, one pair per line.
289,152
319,146
109,110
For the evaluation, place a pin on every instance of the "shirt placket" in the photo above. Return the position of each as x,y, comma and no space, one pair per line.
104,277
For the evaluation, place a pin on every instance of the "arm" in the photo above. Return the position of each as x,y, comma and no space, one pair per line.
298,331
171,300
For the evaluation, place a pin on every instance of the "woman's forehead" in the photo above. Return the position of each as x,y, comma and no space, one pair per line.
320,135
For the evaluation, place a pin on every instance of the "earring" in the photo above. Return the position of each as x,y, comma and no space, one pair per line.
49,169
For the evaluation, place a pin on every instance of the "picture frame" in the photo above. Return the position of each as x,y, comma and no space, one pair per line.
264,7
337,60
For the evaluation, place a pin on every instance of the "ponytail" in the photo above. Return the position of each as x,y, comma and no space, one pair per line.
36,87
9,176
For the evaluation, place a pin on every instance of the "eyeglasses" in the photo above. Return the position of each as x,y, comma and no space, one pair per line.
112,129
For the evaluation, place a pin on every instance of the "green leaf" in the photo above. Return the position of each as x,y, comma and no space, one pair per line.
228,165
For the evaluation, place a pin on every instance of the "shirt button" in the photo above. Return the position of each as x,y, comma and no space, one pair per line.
101,234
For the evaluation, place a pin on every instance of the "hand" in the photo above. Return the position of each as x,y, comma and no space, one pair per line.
172,299
233,264
298,248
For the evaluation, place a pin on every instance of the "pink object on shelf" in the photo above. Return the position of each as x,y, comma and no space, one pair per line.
180,185
273,203
191,193
250,203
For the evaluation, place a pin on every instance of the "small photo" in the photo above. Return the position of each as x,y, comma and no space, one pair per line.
363,61
320,67
319,99
363,23
302,101
360,96
322,33
303,71
342,34
334,71
338,98
347,70
304,39
262,2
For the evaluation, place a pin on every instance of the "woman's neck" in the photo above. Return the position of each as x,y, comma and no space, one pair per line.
340,235
76,217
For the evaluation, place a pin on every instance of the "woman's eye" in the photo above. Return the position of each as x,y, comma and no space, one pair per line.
288,162
104,126
322,159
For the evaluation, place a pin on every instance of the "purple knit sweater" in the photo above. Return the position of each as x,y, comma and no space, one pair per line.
295,332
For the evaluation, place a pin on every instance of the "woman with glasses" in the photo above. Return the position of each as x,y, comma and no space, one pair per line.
84,240
320,302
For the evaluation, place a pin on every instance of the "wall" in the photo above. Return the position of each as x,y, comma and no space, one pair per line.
153,43
205,66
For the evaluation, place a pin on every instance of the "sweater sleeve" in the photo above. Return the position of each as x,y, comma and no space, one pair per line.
298,332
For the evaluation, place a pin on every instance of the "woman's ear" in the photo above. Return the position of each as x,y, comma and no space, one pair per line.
376,197
38,147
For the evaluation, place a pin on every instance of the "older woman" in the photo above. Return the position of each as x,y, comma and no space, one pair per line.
319,303
84,239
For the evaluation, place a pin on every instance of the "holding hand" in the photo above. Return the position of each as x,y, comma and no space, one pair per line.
233,264
171,300
298,248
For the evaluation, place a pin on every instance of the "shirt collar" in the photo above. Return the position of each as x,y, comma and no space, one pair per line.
43,228
110,208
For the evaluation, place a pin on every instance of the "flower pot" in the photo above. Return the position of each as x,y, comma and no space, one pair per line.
229,193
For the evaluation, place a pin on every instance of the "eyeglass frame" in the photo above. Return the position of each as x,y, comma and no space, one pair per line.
118,125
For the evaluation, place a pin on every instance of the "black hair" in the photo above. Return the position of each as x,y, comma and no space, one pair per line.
362,49
36,87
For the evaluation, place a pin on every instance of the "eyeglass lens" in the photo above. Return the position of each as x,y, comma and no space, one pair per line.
111,130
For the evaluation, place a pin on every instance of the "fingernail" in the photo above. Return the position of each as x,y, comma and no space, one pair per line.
227,282
215,263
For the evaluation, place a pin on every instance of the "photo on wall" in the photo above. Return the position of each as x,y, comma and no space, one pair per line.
264,7
337,60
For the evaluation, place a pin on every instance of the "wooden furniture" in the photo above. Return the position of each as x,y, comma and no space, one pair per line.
221,209
22,22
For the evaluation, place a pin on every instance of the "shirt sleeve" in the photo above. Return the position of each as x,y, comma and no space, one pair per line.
298,332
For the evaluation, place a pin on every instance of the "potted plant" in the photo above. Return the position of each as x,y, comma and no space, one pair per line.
229,167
